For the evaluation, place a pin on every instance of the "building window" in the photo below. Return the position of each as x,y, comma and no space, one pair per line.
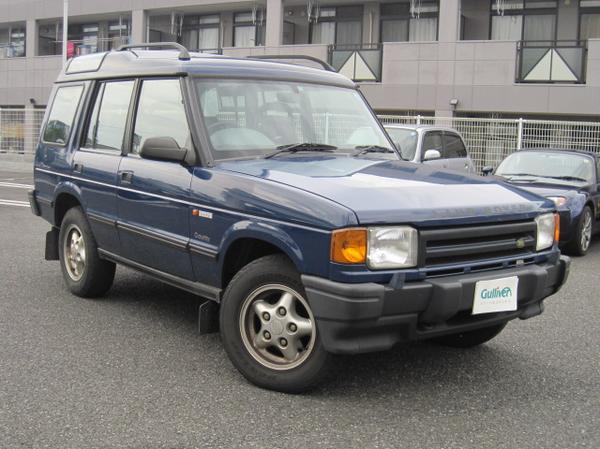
408,21
83,38
50,39
249,28
341,25
528,20
589,22
12,41
201,33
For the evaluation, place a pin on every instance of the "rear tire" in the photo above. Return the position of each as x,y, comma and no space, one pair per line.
268,329
471,338
580,244
85,274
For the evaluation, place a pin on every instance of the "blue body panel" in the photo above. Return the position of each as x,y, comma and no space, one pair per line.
154,226
397,192
100,196
570,212
294,212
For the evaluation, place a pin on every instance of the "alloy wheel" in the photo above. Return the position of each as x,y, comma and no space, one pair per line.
277,327
586,232
74,251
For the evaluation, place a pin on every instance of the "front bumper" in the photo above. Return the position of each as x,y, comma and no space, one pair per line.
355,318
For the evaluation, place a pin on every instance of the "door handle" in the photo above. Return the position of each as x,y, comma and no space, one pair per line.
78,168
126,176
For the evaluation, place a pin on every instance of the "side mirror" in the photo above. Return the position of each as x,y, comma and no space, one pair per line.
431,155
487,170
162,148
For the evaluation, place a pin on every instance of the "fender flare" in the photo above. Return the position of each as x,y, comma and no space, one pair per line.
70,188
266,232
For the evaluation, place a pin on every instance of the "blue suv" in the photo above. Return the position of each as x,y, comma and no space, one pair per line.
272,190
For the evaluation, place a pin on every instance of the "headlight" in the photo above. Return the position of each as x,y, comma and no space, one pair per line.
558,200
392,247
545,231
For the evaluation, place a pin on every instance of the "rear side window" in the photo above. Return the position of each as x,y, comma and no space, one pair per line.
107,124
62,115
432,141
454,147
160,113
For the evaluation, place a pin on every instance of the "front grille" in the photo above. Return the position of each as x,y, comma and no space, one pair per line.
476,243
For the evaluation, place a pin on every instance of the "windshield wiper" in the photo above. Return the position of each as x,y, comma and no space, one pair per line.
364,149
296,147
515,174
565,178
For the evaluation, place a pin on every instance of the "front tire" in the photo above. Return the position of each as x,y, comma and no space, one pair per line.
268,329
85,274
583,237
471,338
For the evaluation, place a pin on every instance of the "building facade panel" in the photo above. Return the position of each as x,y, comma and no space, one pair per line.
422,54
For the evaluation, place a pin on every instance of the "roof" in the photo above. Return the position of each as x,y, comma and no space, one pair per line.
419,127
129,63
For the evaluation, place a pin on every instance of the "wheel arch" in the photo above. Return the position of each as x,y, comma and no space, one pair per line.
67,196
247,241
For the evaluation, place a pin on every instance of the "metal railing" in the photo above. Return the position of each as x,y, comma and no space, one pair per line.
19,130
361,62
488,140
551,61
491,140
11,50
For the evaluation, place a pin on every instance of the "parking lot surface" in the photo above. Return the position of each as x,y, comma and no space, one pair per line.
130,371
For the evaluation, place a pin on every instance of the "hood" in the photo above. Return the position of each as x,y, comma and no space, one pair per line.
575,196
396,191
547,190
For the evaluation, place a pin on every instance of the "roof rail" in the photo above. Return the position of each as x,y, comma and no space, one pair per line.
184,54
304,57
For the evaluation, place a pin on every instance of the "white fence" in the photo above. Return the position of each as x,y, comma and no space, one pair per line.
491,140
19,130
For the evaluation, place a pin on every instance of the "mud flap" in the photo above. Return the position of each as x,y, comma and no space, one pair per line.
208,317
52,244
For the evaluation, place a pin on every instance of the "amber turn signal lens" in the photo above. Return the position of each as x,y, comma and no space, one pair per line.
349,246
556,228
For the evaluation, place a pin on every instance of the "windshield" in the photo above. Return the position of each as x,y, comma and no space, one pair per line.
405,140
250,118
562,167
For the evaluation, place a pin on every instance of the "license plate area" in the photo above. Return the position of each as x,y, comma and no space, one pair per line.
496,295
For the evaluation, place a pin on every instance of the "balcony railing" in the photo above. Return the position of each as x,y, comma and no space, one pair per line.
360,62
11,50
551,61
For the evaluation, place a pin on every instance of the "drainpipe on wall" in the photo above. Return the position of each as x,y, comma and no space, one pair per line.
370,26
65,30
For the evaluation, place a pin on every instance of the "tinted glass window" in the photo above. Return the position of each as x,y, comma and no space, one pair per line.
109,118
405,140
432,141
62,115
454,147
161,114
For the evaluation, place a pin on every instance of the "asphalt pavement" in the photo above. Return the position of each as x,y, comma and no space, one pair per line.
130,371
